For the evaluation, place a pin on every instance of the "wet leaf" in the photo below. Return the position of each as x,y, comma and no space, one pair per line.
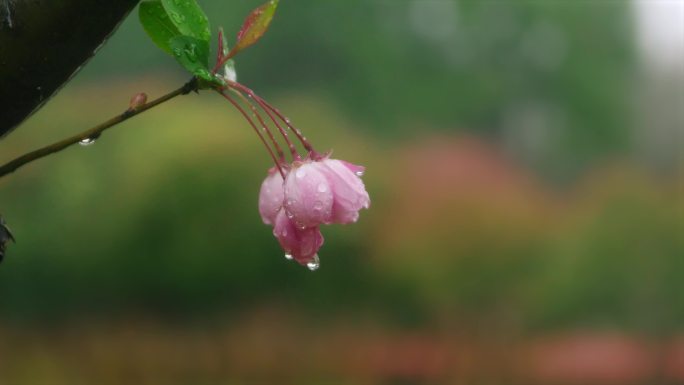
190,52
158,25
188,18
255,25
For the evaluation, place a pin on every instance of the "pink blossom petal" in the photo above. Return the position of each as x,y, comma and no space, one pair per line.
355,168
349,192
301,244
308,196
271,196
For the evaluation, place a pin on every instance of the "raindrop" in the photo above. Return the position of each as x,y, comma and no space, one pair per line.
359,173
86,142
190,52
318,206
177,17
288,256
322,188
300,173
314,264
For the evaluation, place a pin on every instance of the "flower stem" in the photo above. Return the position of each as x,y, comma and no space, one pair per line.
260,102
93,132
255,113
267,106
251,122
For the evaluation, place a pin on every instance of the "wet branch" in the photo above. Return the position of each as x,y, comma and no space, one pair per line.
93,132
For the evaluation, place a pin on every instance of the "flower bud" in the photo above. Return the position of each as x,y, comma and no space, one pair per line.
301,244
349,192
271,196
138,100
308,196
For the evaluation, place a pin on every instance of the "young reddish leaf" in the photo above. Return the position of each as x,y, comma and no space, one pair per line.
255,26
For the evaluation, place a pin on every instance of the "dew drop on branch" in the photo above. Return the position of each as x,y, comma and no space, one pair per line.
86,142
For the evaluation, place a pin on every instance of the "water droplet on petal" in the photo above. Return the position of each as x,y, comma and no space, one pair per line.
86,142
359,173
314,264
318,206
300,173
288,256
322,188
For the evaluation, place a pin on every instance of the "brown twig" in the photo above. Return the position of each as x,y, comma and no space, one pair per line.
93,132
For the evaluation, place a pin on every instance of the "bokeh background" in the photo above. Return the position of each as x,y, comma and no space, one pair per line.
524,164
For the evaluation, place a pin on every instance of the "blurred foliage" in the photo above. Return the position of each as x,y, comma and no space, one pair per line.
160,218
553,78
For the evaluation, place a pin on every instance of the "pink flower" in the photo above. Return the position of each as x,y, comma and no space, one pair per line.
302,245
271,196
299,244
325,191
308,197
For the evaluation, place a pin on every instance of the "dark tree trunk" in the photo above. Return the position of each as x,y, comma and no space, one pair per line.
43,43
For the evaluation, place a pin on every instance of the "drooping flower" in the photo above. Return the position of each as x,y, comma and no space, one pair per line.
297,197
299,244
309,196
325,191
348,189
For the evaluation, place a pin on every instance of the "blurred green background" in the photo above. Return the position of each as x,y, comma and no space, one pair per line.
524,165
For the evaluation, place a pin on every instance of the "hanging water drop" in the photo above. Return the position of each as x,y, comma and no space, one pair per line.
288,256
314,264
359,173
86,142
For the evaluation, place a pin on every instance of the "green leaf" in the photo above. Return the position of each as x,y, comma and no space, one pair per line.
255,25
157,24
191,53
189,18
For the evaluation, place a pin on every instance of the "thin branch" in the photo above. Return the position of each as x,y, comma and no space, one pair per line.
93,132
